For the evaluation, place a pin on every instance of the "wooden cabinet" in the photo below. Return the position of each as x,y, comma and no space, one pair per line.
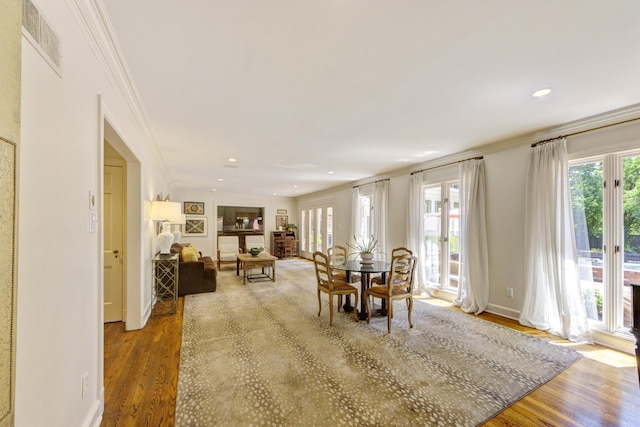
284,244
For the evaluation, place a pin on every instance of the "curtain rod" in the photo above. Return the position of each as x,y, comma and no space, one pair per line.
448,164
544,141
380,180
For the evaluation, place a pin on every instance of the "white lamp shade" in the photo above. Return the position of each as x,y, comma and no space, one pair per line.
165,211
183,220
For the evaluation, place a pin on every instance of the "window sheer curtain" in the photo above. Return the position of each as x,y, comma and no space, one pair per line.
355,214
415,237
552,298
473,289
380,215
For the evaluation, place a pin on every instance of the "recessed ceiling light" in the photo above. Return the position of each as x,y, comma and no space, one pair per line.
231,159
295,186
330,172
275,194
213,190
541,92
220,179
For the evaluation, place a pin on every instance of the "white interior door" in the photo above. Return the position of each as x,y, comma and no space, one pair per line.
113,243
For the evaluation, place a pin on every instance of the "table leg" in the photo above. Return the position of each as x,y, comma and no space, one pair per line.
364,284
273,268
237,266
347,307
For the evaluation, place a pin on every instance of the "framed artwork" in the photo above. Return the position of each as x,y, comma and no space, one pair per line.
8,289
281,221
195,226
281,211
194,208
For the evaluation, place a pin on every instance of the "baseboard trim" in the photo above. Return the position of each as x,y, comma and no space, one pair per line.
499,310
94,417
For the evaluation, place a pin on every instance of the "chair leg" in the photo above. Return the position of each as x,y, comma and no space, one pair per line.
389,315
409,308
339,302
319,303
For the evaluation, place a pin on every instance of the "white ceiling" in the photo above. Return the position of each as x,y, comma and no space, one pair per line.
294,89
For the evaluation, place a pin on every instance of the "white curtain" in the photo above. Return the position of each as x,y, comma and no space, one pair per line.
415,231
552,297
473,287
380,215
355,213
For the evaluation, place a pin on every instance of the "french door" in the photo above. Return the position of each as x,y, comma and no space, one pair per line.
605,195
442,234
316,231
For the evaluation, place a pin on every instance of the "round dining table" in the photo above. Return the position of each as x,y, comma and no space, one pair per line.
365,271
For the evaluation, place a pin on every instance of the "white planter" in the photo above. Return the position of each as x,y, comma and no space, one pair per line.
366,258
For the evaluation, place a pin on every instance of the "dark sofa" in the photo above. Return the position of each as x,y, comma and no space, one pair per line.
195,277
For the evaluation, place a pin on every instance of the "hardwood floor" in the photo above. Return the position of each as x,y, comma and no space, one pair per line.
141,372
141,376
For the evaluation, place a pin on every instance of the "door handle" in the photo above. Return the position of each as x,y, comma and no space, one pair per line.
115,252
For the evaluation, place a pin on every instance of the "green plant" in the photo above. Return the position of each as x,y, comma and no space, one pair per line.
290,227
362,245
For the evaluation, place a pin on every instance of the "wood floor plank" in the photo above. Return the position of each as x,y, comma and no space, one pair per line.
141,379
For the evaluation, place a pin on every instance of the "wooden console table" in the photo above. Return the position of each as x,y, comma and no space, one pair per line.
635,330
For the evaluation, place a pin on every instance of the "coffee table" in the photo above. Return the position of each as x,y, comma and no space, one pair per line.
263,261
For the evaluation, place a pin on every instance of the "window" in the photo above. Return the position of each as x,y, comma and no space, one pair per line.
605,196
364,223
303,231
442,234
329,227
316,232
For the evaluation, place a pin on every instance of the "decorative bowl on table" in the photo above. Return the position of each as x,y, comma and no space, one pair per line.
366,259
255,251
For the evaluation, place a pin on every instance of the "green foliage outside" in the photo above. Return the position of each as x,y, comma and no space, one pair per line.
586,196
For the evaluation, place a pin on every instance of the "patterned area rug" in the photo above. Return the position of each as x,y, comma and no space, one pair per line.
258,354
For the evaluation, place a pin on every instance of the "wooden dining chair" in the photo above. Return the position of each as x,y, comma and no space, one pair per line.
331,286
338,255
400,286
395,252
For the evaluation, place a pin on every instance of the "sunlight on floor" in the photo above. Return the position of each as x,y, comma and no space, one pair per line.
610,357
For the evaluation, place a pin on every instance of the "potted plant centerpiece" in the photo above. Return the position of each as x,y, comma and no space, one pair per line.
365,248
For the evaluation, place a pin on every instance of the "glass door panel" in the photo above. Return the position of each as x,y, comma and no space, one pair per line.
432,232
303,232
453,236
312,231
586,184
631,220
329,227
319,229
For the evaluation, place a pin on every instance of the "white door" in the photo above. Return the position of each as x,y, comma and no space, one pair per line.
113,242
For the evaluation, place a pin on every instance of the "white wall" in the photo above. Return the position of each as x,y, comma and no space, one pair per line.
208,245
506,168
60,330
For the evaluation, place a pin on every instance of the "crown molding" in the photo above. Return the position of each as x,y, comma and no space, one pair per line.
93,20
586,124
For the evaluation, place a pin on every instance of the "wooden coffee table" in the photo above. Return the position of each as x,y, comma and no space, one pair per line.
263,261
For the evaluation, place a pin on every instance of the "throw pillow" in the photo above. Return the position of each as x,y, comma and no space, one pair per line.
189,253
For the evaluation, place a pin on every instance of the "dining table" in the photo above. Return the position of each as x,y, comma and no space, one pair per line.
365,270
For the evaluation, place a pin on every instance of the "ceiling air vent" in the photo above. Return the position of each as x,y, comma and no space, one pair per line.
41,35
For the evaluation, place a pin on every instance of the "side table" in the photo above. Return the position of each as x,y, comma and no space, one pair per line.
165,277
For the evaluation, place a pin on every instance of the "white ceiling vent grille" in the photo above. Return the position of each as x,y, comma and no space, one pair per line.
41,35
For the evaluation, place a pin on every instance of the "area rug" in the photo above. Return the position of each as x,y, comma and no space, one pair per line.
258,354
